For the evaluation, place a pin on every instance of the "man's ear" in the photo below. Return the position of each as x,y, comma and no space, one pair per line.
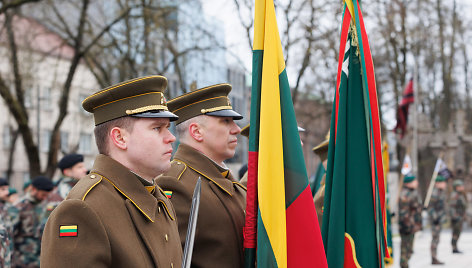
66,172
196,132
118,137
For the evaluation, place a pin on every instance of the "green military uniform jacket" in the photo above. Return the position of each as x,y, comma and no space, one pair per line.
219,234
119,223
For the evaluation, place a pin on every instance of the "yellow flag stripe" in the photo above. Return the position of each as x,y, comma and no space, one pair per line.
68,227
350,6
271,163
259,16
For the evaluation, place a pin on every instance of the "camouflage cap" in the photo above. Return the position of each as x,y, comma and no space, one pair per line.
212,100
139,97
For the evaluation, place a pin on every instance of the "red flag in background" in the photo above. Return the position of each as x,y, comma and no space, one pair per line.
402,112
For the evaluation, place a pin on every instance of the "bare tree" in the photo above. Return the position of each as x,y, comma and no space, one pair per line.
16,100
147,42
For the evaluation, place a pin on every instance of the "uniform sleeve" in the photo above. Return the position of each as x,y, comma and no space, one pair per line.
181,199
88,247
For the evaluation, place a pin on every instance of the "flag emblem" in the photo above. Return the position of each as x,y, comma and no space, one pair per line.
168,194
68,230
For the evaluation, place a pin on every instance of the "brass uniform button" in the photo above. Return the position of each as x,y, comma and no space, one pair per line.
158,209
93,176
167,238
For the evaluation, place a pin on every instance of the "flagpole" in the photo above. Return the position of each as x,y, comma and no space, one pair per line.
400,181
431,183
415,163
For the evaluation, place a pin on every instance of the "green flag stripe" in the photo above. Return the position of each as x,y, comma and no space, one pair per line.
257,58
265,253
296,179
68,230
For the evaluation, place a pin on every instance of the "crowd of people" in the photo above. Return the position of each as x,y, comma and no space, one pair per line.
23,218
133,207
410,209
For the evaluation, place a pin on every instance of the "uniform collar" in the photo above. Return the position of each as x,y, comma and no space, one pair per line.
127,183
204,166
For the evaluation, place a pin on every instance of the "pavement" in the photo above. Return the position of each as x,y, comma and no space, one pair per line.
421,257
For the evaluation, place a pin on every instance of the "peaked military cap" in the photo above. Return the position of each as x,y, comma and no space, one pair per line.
245,130
322,149
212,100
139,97
69,161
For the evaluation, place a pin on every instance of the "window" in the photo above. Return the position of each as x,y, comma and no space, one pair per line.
64,141
26,177
29,97
85,143
82,97
46,97
45,141
6,137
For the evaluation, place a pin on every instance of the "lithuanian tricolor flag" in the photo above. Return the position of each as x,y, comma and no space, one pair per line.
281,224
354,205
68,230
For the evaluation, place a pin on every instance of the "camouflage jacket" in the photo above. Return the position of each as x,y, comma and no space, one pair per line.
457,206
26,233
5,242
436,209
409,208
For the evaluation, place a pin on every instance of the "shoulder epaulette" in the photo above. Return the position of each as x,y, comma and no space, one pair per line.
178,168
84,186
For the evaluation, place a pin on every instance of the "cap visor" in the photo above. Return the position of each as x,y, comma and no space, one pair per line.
157,114
226,113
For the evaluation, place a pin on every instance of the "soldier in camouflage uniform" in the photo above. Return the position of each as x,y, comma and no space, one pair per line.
5,230
409,220
26,223
457,210
437,215
72,168
5,243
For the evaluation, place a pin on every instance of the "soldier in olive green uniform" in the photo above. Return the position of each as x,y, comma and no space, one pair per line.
26,224
409,219
208,136
457,210
322,151
116,216
437,215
